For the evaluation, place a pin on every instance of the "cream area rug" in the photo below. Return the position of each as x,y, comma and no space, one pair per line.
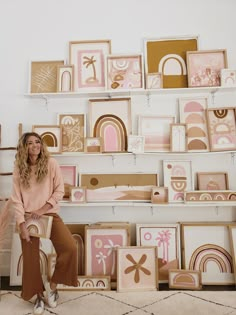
131,303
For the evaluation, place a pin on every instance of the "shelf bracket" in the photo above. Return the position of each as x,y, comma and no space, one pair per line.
213,96
217,210
135,158
113,210
152,210
46,101
113,160
148,100
232,158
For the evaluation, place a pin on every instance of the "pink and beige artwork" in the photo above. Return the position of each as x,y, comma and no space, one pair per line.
178,178
185,279
88,58
16,267
65,78
73,131
78,194
210,196
204,67
93,145
193,114
178,139
222,128
159,195
136,144
154,81
136,268
69,173
51,134
119,187
212,181
38,227
166,238
206,248
101,244
44,76
228,77
232,236
124,72
156,130
110,119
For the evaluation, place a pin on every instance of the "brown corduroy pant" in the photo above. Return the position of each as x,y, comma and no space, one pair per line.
66,264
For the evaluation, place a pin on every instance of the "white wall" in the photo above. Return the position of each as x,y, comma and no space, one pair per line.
41,30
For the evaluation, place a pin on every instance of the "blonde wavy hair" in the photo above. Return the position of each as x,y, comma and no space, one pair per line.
23,163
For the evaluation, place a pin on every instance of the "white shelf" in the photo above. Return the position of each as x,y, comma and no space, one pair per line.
127,93
148,204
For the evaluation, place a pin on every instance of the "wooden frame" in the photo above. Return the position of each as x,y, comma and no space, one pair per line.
154,81
78,194
228,77
136,268
52,136
210,196
178,138
159,195
88,58
212,181
73,131
192,112
178,177
156,130
166,236
124,72
101,243
185,279
121,187
232,237
44,76
136,143
38,227
204,67
93,145
206,248
168,56
110,119
222,128
65,78
70,177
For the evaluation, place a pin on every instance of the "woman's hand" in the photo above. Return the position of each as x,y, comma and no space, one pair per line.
24,232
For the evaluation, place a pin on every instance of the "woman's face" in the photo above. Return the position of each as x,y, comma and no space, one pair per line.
34,146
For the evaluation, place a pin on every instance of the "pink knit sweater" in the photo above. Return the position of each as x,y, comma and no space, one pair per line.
50,190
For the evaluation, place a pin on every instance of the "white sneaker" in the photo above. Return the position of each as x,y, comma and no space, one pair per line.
38,306
52,296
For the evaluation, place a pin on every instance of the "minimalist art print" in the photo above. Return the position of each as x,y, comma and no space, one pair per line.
52,136
212,181
65,78
228,77
70,177
185,279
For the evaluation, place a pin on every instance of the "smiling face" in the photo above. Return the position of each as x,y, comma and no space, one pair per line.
34,147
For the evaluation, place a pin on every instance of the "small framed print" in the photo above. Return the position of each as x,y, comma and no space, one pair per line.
65,78
212,181
178,139
78,194
93,145
159,195
51,135
70,177
154,81
204,67
136,144
228,77
124,72
185,279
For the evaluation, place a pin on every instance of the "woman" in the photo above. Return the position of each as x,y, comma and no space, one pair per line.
37,188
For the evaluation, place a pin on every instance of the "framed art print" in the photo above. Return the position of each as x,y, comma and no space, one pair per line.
124,72
204,67
178,139
166,237
65,78
136,144
70,177
78,194
178,178
52,136
110,119
212,181
206,248
222,128
88,283
136,268
156,130
228,77
88,58
44,76
210,196
185,279
73,131
101,243
192,112
232,237
168,57
159,195
154,81
93,145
